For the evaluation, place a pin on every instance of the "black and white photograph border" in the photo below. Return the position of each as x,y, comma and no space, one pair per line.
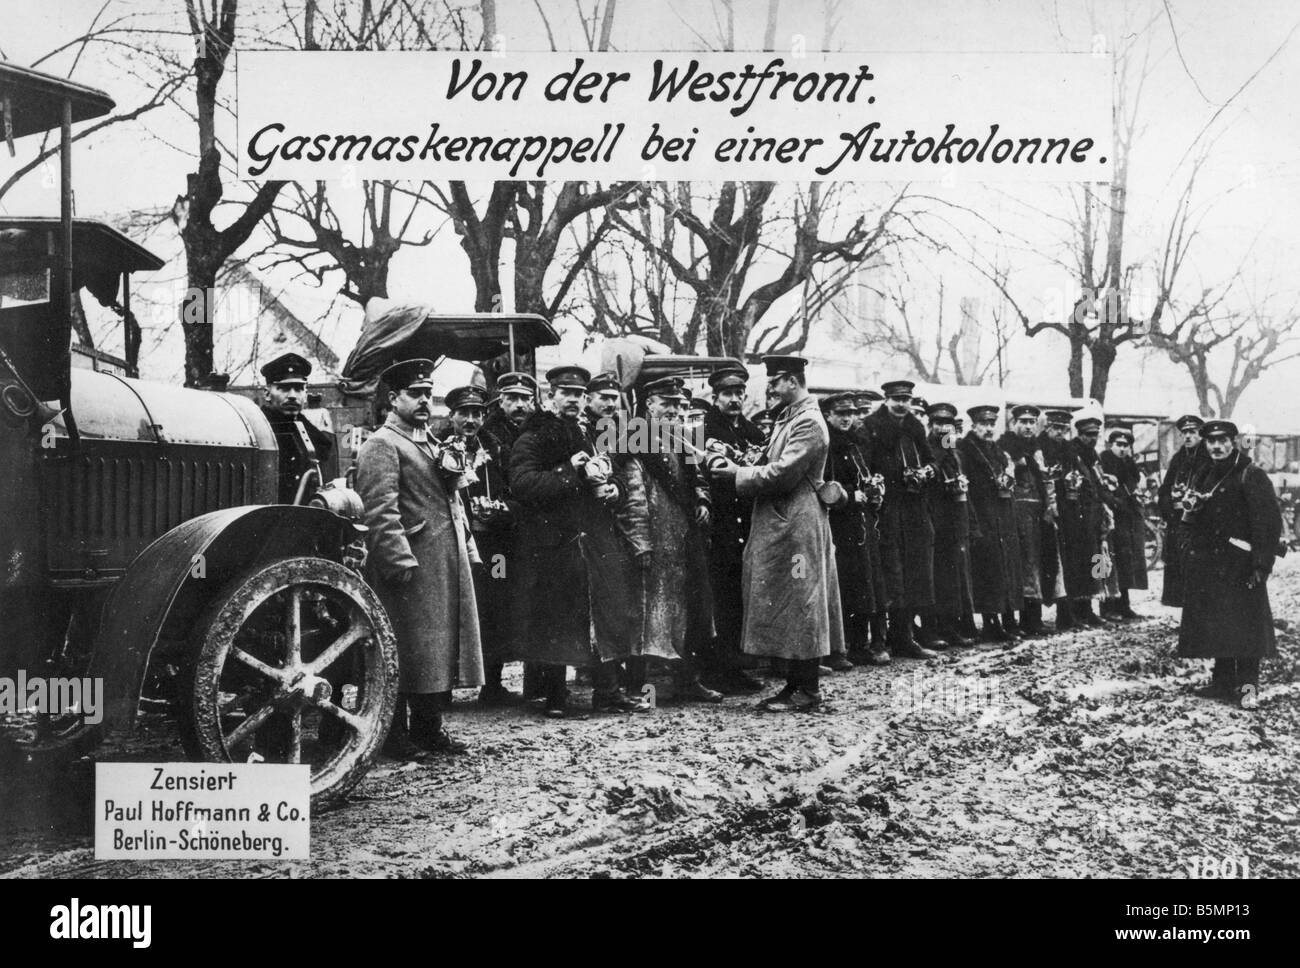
356,361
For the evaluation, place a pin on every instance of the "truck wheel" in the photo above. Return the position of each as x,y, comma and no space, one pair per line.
294,662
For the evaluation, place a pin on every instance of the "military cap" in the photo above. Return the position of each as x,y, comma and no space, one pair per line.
408,375
942,411
287,368
699,403
778,365
1058,418
832,400
1189,421
1086,424
1119,433
1219,428
983,414
665,386
572,376
728,377
762,415
921,404
898,388
605,382
518,383
872,396
1025,410
470,396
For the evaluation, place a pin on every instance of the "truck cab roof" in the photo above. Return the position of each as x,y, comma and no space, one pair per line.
36,100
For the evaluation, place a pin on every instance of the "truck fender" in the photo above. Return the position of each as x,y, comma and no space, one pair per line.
168,584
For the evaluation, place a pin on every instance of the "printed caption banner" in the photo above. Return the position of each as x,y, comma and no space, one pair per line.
326,115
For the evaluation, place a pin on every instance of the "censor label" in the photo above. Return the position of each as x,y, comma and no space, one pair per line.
171,811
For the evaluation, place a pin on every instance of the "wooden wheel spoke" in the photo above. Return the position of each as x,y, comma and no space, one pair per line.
351,637
352,719
256,664
295,736
249,725
239,698
293,627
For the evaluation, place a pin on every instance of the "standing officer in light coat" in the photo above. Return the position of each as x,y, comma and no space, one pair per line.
792,601
419,558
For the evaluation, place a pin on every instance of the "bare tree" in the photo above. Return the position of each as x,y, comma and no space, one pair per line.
717,253
902,318
1227,337
207,247
307,228
1101,320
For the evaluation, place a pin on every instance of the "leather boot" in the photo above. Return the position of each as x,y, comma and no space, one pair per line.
901,643
1082,609
949,629
930,637
1065,620
1031,618
993,630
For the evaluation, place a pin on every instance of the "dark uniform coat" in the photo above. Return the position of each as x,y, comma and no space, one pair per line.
906,533
293,457
1081,522
494,534
1182,467
415,522
1032,502
1129,539
574,601
1055,455
950,513
728,533
1233,532
792,597
853,528
657,518
995,545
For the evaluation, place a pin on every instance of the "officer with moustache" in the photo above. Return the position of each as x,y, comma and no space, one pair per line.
419,562
301,444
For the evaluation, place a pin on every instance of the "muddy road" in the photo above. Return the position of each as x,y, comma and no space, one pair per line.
1079,755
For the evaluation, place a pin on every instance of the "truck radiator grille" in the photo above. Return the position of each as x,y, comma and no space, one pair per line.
103,510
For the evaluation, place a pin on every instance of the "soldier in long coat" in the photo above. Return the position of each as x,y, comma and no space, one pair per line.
868,402
1128,540
663,517
492,512
996,584
419,560
1233,534
574,601
950,514
516,400
901,454
853,528
1053,444
792,602
1035,507
1183,466
1083,522
727,429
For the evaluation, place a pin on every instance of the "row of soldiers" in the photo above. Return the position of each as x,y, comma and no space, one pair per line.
954,526
543,533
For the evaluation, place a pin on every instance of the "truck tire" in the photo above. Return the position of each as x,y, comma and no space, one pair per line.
294,661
